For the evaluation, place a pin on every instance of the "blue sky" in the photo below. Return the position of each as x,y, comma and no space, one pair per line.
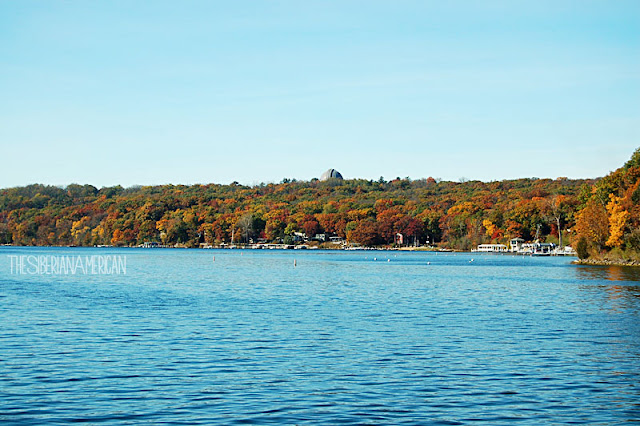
154,92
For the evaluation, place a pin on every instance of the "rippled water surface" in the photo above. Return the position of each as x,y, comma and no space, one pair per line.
407,338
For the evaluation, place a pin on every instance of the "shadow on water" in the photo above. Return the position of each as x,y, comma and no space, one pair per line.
609,273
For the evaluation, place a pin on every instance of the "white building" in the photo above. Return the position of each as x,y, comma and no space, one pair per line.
539,249
515,245
492,248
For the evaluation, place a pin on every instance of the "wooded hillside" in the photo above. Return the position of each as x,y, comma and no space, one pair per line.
608,224
457,215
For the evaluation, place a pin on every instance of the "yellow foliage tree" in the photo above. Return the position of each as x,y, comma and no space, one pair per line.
79,229
618,217
489,226
98,234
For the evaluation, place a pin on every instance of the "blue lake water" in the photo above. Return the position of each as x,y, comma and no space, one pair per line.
341,338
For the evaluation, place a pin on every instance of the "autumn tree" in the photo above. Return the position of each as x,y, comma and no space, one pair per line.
618,217
364,232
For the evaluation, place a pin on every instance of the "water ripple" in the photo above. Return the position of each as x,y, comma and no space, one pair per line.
339,339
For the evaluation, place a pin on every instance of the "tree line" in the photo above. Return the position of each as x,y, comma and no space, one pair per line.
456,215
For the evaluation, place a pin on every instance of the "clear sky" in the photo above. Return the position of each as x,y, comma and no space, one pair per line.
153,92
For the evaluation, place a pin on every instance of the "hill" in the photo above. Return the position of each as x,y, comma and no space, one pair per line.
457,215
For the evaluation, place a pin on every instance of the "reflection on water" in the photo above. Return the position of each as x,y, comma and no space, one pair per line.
623,291
622,296
610,273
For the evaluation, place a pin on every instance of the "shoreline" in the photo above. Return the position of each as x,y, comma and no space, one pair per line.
607,262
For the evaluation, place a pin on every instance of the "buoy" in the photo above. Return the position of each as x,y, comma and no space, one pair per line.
428,263
375,258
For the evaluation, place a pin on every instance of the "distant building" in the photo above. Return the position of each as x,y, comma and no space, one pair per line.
515,245
492,248
299,237
331,173
537,248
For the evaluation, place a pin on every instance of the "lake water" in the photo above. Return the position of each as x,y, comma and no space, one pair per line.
341,338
